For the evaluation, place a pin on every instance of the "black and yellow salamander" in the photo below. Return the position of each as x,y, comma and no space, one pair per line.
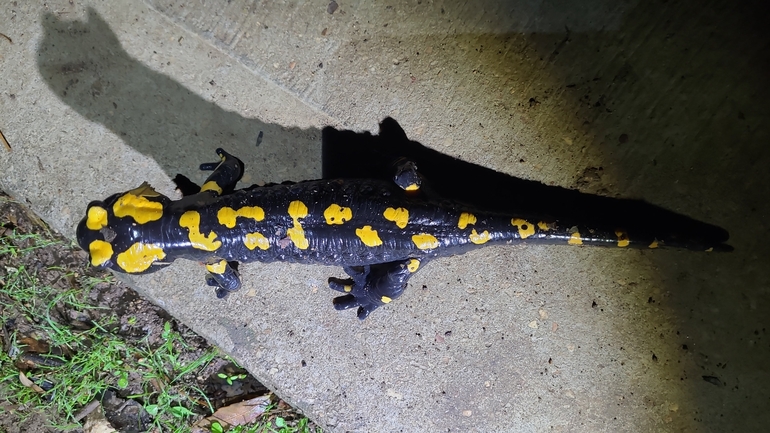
380,232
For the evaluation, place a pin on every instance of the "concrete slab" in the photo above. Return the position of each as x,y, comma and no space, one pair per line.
662,102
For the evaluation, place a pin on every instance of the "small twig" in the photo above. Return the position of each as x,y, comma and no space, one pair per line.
86,410
5,142
6,36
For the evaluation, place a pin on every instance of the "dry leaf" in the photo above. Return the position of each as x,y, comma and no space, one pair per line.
236,414
34,345
30,384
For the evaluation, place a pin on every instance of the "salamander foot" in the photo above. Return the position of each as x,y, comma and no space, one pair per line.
370,287
223,277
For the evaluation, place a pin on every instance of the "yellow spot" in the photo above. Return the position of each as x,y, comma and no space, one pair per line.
575,239
425,241
297,235
466,219
218,267
622,238
256,239
297,210
479,239
413,265
97,218
137,207
542,225
336,214
368,236
191,221
385,300
525,228
227,215
100,251
347,288
412,187
139,257
400,216
654,244
212,186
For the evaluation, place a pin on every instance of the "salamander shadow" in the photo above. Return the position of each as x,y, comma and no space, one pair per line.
85,65
347,154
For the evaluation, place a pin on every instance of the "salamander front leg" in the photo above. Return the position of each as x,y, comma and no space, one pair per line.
370,287
223,276
226,173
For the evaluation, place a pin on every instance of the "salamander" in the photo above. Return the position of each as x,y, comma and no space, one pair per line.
381,232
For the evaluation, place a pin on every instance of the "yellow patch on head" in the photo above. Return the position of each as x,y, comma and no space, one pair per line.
466,219
297,210
412,187
575,239
218,267
622,238
479,239
525,228
369,236
227,215
347,288
100,251
212,186
254,240
97,218
336,214
139,257
654,244
413,265
400,216
191,221
425,241
542,225
138,208
385,300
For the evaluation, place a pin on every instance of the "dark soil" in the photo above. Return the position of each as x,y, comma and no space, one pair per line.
106,310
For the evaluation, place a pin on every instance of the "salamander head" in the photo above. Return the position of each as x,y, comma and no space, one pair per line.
112,231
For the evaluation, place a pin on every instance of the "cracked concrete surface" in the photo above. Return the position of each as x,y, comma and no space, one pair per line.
663,102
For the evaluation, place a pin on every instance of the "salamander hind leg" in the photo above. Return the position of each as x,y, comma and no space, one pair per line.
370,287
223,276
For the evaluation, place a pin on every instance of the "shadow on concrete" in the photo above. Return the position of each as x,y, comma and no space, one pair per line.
85,65
686,84
348,154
